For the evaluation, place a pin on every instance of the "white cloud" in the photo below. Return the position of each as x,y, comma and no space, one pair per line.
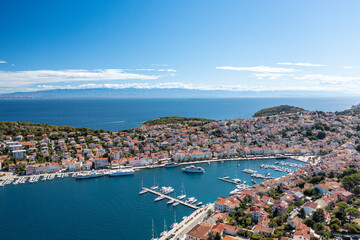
328,78
152,69
261,69
301,64
348,67
25,78
2,61
272,76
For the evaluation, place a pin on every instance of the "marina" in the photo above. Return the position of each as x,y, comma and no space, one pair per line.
70,197
162,196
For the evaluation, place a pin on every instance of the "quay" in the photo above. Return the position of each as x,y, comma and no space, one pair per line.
171,198
179,232
227,180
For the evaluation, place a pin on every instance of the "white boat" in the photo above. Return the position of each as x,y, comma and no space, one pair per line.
170,201
166,190
191,200
159,198
142,191
165,229
181,197
175,223
199,203
170,164
193,169
183,194
17,181
154,187
237,180
121,172
87,175
175,204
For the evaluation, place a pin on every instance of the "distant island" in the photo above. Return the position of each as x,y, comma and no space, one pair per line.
278,110
109,93
175,119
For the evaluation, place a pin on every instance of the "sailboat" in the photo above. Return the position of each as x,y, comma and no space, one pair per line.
165,229
155,186
183,194
175,223
153,231
142,187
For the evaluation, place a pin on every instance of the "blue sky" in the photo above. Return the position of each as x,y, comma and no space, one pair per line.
237,45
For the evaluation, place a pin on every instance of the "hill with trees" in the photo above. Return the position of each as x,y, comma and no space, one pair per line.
282,109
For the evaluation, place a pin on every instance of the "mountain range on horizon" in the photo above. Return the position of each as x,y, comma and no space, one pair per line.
161,93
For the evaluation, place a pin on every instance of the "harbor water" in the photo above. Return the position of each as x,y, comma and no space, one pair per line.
111,208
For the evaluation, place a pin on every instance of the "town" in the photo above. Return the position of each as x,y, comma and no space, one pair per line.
317,201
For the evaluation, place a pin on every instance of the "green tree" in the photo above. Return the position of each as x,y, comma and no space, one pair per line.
352,212
319,215
217,236
302,213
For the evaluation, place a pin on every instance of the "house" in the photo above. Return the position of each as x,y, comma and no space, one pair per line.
72,166
199,232
323,189
52,167
261,230
101,163
280,207
226,204
87,165
267,200
343,195
309,207
228,237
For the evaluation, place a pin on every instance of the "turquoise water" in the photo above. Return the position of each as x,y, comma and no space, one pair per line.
110,208
119,114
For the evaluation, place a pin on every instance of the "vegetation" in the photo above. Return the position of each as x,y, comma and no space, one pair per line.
38,129
176,119
278,110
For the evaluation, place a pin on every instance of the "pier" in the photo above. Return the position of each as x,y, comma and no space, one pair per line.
227,180
171,198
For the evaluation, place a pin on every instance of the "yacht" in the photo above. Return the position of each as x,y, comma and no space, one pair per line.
236,180
142,191
170,201
166,190
159,198
193,169
183,194
87,175
191,200
170,164
175,204
121,172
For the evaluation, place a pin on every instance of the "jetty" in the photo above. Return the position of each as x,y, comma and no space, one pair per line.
227,180
171,198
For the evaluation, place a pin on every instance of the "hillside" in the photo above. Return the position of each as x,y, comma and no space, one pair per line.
278,110
24,128
175,119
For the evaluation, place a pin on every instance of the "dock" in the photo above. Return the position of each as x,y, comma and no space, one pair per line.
171,198
227,180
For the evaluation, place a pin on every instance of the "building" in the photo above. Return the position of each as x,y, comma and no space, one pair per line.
226,204
199,232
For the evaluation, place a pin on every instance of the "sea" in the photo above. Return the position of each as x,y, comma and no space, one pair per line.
111,208
120,114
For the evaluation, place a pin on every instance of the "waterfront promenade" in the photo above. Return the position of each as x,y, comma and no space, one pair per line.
188,223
